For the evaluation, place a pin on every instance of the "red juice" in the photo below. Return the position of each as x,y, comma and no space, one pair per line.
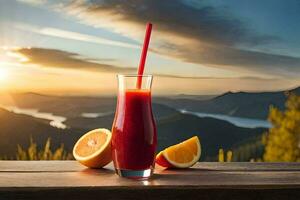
134,136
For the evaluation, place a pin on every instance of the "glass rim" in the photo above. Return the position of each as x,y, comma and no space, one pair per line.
134,75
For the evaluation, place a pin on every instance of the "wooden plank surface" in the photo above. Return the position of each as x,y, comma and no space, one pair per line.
43,166
34,179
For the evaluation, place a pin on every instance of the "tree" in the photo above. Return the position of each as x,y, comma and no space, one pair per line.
282,142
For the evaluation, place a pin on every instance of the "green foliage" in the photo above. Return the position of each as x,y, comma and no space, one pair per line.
33,153
282,140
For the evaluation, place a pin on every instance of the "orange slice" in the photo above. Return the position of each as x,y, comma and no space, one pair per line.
182,155
93,149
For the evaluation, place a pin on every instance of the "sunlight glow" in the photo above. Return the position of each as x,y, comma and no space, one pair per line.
17,56
3,73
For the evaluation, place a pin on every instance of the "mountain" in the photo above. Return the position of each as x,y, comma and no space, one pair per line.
195,97
67,106
240,104
74,106
17,129
160,112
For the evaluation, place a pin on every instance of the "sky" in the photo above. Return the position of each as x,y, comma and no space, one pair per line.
197,46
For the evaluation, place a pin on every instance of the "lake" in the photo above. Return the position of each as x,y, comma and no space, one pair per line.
237,121
95,115
55,120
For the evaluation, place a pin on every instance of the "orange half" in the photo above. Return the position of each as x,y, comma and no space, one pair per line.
93,149
182,155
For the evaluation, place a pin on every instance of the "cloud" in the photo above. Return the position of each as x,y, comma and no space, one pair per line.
104,81
54,32
62,59
203,34
253,78
237,59
53,58
205,23
33,2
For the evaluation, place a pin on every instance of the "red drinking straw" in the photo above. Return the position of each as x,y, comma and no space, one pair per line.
144,55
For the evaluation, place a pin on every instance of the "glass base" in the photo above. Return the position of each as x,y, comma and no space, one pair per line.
135,174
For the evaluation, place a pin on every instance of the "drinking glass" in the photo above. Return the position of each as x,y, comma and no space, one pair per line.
134,137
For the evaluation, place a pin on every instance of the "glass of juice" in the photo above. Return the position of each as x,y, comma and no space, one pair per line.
134,136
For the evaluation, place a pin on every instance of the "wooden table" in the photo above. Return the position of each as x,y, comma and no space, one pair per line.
70,180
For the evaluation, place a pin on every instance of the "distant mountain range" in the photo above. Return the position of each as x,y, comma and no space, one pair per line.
239,104
173,126
67,106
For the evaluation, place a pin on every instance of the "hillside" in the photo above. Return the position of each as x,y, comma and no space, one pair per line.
67,106
160,112
240,104
71,106
17,129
